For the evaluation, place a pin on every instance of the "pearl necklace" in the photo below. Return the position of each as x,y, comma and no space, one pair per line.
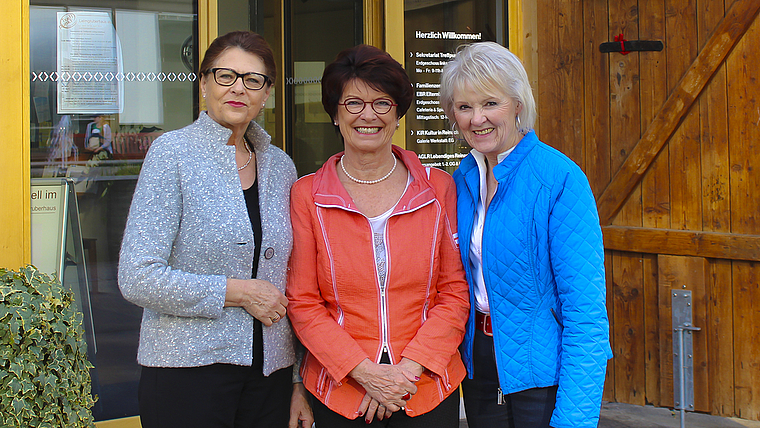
368,181
250,156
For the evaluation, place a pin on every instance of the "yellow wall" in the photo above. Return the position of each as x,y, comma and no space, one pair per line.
15,238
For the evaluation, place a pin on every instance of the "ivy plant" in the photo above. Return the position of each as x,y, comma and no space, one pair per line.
44,371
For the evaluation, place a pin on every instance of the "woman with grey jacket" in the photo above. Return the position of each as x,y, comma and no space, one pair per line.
205,253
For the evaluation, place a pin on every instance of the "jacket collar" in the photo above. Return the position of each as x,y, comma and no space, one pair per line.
510,164
469,167
327,189
255,133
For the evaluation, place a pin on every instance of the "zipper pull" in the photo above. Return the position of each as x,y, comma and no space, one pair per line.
499,397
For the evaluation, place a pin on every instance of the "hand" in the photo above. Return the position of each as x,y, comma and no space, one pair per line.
411,365
369,407
258,297
300,410
384,383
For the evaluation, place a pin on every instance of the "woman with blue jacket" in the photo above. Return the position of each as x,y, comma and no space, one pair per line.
537,340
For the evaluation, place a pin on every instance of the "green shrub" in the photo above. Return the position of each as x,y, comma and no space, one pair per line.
44,371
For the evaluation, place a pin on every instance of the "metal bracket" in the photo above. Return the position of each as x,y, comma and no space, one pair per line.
626,46
683,360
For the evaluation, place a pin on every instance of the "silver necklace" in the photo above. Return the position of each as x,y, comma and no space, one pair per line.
395,162
250,156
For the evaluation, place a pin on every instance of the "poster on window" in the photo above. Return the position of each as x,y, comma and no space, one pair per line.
90,77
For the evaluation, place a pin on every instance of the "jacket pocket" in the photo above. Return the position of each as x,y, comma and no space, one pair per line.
556,318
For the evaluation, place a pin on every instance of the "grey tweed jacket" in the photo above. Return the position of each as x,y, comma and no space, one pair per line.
188,231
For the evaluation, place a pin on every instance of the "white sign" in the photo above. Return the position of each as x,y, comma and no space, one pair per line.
90,80
49,209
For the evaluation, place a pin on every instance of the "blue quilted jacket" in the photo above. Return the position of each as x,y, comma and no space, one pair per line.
543,263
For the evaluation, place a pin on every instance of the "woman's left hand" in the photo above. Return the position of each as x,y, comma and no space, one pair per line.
300,410
370,407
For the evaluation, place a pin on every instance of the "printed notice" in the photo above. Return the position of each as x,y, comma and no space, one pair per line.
90,80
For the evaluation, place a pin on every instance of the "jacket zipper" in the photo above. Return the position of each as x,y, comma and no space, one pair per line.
383,297
500,394
385,343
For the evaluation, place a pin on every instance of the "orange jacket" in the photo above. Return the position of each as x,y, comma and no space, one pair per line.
336,306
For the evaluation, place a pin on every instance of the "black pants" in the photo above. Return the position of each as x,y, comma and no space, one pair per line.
215,396
445,415
531,408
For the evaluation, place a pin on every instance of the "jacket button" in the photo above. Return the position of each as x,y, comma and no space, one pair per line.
269,253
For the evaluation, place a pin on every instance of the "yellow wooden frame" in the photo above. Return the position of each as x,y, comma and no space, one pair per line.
393,21
15,190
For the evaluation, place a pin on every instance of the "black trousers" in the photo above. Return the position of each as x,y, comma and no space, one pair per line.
531,408
215,396
445,415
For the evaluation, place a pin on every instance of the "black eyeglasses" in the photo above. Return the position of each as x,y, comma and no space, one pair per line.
356,105
227,77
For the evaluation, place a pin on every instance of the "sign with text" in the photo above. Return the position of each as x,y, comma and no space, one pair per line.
433,31
89,78
49,209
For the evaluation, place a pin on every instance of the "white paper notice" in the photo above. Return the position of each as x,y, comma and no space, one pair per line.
89,64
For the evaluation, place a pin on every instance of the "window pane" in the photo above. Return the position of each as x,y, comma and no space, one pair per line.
106,81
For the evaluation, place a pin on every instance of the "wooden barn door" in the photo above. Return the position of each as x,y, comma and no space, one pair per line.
670,141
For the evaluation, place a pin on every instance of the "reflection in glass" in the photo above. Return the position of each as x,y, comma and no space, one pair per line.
100,138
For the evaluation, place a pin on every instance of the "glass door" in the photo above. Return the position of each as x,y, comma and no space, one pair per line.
319,29
311,35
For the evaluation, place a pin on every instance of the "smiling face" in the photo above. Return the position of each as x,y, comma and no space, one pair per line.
486,121
366,131
234,106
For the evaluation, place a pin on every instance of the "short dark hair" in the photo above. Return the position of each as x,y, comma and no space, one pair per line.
374,67
249,42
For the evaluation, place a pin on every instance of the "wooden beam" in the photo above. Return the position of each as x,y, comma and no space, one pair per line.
728,32
682,242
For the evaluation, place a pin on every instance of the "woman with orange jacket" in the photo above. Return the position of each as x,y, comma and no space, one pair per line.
376,287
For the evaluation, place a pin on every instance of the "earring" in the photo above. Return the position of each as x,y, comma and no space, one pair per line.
455,132
335,123
263,105
398,124
517,122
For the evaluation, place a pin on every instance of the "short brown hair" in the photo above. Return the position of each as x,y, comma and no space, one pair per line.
372,66
247,41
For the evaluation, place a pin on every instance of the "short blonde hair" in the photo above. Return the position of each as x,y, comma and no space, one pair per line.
491,69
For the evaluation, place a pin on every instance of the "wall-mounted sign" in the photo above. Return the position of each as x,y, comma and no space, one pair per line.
433,30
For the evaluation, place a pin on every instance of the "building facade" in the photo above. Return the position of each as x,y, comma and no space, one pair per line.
667,137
